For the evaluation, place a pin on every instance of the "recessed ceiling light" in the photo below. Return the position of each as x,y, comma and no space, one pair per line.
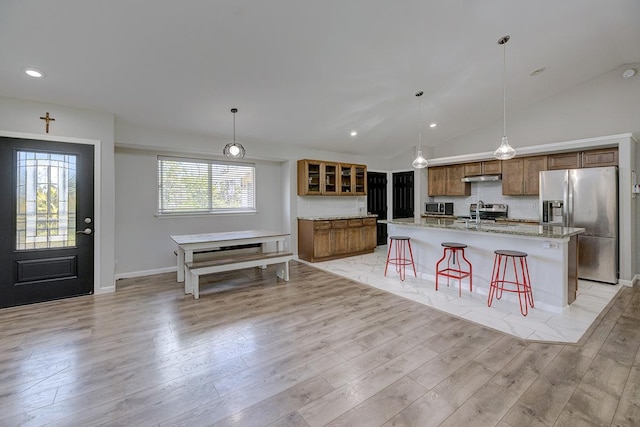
628,73
32,72
432,125
354,133
537,71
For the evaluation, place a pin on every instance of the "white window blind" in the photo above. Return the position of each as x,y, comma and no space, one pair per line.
201,186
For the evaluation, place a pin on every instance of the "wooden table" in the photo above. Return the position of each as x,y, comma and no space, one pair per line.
190,243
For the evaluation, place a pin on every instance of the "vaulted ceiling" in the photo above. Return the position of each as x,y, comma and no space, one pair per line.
307,73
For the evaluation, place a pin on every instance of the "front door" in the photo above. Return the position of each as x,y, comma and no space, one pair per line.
377,202
46,220
403,195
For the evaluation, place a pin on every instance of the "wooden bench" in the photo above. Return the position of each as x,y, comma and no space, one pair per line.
197,268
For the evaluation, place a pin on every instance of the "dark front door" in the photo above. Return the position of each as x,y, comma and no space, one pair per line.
403,195
46,220
377,201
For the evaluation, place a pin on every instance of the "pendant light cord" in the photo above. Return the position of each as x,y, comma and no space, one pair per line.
419,123
504,88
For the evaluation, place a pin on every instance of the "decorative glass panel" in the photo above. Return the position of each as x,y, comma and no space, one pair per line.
46,200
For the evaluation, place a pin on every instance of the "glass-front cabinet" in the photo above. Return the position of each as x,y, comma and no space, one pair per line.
320,178
345,179
330,179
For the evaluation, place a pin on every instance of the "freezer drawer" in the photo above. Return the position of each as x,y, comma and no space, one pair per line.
598,259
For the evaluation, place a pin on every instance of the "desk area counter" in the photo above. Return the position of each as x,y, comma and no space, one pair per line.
524,230
552,253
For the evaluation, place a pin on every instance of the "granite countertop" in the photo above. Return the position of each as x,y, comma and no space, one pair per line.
526,230
329,218
522,220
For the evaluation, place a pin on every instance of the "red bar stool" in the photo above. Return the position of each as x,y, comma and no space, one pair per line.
454,269
521,280
399,259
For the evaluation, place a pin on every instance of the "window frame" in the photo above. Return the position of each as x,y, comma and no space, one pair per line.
211,211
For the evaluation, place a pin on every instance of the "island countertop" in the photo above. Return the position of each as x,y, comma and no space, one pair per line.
524,230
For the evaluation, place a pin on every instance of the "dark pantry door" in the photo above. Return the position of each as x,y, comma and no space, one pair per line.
377,202
46,220
403,195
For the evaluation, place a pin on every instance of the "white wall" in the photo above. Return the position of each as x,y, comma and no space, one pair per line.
606,105
142,239
143,245
24,117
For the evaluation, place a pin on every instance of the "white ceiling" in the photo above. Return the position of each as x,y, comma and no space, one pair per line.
308,72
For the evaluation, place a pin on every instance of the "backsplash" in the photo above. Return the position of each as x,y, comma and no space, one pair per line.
520,207
331,206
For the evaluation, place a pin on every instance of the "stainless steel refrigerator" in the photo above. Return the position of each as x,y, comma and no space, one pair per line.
586,198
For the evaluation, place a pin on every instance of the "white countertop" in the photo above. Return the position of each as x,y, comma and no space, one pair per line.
525,230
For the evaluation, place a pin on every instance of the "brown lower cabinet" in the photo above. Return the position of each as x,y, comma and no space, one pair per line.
321,240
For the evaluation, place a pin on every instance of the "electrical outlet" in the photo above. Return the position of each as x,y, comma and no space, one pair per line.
550,245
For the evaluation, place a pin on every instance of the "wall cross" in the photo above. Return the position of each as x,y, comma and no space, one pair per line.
47,119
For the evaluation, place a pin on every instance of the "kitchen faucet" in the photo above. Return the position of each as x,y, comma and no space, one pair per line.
479,205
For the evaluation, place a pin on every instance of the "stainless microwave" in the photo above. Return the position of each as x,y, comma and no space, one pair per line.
441,208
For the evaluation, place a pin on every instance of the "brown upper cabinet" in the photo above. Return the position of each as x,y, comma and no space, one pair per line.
320,178
584,159
598,158
563,161
520,175
447,181
491,167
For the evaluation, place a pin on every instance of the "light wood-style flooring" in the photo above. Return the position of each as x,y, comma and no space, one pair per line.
318,350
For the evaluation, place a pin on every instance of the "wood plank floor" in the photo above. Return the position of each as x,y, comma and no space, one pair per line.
319,350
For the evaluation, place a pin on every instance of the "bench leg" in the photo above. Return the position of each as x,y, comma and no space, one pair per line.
283,271
187,282
195,285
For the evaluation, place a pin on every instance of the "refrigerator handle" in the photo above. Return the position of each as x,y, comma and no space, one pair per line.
568,201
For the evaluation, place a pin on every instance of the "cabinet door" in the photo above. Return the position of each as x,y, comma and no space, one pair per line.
473,169
354,236
369,237
322,243
455,186
346,172
512,177
330,180
359,186
531,168
309,177
437,180
598,158
492,167
339,237
563,161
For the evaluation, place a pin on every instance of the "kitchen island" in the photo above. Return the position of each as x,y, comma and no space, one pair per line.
552,250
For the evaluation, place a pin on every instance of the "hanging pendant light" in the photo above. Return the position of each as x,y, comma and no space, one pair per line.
234,150
420,162
504,151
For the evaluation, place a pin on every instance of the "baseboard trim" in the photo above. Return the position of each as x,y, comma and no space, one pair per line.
132,274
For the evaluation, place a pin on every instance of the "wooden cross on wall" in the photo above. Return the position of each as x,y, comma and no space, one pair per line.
47,119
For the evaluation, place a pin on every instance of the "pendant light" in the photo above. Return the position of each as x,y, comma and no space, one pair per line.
419,162
234,150
504,151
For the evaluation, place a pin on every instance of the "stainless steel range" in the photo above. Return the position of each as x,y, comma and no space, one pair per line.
488,211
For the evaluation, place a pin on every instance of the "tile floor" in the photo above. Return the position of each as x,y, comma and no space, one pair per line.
504,315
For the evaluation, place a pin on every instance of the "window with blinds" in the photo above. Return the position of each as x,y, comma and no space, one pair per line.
200,186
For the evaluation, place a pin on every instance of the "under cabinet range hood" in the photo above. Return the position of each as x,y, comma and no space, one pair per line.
482,178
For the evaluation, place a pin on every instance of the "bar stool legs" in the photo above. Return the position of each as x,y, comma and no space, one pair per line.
522,281
399,259
455,252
